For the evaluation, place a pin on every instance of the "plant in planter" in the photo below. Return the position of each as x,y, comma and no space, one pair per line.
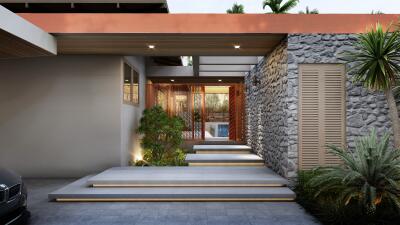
162,136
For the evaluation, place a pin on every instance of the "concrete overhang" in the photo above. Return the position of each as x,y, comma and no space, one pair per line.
84,1
20,38
190,34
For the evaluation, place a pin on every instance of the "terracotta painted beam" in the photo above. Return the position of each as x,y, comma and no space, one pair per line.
206,23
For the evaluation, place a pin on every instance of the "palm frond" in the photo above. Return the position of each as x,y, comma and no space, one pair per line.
376,63
236,9
290,4
277,7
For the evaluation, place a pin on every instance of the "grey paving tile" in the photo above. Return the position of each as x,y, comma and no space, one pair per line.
228,220
158,213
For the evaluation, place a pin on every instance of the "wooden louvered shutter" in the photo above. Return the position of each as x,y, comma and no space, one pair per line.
232,113
321,113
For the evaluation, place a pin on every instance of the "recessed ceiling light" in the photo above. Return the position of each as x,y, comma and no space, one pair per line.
236,46
172,80
151,46
219,80
126,80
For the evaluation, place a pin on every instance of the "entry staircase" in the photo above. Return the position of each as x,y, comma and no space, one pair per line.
215,173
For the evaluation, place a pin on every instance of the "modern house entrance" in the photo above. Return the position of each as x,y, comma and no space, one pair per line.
210,111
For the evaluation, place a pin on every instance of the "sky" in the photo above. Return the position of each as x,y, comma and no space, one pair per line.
255,6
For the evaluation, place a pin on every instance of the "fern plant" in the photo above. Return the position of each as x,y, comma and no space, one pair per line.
369,175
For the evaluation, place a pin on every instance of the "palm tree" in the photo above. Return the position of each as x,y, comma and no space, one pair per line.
277,8
370,175
308,11
236,9
377,67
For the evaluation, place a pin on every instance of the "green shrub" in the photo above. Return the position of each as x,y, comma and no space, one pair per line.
365,189
162,136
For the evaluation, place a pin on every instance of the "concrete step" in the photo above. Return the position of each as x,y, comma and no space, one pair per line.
221,149
214,142
78,191
224,160
187,177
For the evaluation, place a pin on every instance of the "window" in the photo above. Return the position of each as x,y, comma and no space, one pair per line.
131,85
135,87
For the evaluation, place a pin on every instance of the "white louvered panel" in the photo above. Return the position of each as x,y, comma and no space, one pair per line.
321,113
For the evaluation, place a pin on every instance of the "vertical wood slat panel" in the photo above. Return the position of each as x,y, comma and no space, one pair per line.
321,113
232,113
240,113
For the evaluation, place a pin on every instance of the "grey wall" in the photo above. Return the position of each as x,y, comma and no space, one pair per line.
364,109
267,110
60,116
272,106
131,115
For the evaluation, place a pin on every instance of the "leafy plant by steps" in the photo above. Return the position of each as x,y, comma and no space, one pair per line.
162,136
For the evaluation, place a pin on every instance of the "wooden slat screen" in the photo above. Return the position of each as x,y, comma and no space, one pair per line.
232,113
321,113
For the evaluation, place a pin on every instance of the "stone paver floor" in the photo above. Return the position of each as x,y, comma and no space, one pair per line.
44,212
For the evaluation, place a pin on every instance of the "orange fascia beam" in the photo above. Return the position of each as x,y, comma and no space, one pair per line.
72,23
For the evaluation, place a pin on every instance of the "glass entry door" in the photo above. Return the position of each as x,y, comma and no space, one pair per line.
210,112
217,112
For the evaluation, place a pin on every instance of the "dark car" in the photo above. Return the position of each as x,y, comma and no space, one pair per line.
13,198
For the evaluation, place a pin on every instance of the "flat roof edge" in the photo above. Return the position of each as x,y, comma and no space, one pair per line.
86,23
25,30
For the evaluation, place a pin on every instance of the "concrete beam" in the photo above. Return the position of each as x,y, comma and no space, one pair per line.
196,66
169,71
222,74
225,68
84,1
228,60
20,38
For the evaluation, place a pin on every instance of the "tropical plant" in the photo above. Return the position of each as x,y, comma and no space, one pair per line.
277,7
308,11
162,135
376,65
369,175
377,12
236,9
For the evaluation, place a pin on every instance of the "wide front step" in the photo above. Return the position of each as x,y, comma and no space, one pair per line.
221,149
187,177
224,160
78,191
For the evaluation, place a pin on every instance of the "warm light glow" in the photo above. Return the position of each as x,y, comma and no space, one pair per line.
219,80
237,46
172,80
137,156
151,46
